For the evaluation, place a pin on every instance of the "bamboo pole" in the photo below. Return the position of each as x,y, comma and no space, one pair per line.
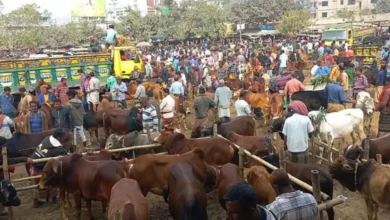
379,159
25,188
26,178
282,159
118,216
366,151
215,130
315,181
6,176
292,178
241,155
331,203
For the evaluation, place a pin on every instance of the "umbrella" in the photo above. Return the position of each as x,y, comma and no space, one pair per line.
143,44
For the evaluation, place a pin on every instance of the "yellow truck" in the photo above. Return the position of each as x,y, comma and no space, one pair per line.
350,34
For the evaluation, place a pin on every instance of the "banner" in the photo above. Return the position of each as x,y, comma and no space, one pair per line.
89,8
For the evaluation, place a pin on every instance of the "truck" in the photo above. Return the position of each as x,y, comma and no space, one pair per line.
350,34
25,72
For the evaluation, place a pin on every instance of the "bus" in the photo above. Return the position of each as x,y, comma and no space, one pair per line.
352,35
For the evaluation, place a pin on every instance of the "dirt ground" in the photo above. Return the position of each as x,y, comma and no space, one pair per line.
353,209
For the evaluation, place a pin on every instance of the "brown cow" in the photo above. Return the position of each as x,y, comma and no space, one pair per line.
377,146
126,197
105,104
87,179
157,167
185,194
234,84
228,175
258,177
276,103
155,87
370,179
258,100
217,151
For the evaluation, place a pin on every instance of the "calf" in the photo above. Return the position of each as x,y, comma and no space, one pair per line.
258,177
126,197
185,194
275,108
87,179
365,102
258,101
217,150
370,179
312,99
158,166
228,175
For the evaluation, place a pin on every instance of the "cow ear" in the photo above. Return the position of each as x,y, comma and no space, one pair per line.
347,167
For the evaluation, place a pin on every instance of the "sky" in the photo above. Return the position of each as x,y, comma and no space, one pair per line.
61,9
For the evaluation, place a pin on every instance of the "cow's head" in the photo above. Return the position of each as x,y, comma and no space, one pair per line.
369,105
8,195
353,152
204,171
51,174
344,171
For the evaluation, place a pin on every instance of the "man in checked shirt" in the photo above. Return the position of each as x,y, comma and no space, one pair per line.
291,204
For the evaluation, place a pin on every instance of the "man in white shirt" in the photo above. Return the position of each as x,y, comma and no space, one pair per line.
7,126
167,107
309,47
242,107
93,92
283,61
314,68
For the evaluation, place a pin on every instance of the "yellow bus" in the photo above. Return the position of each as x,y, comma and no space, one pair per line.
351,35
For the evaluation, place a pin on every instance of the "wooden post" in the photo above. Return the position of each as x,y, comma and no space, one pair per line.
313,150
315,181
241,155
366,150
6,176
215,129
149,138
282,159
118,216
89,151
379,159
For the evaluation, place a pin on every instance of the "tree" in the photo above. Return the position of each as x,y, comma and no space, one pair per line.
348,15
382,6
294,22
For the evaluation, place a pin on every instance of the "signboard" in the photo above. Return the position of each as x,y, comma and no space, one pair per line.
89,69
46,76
103,70
6,65
6,79
89,8
21,78
74,74
61,73
33,77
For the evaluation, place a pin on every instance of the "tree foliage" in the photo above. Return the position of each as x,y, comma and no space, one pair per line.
294,22
348,15
382,6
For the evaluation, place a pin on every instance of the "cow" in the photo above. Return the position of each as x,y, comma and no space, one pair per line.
258,177
92,121
259,146
157,167
370,179
126,198
228,175
275,109
185,194
365,102
303,172
156,88
377,146
217,150
182,109
312,99
339,124
105,104
258,101
243,125
234,84
19,122
91,180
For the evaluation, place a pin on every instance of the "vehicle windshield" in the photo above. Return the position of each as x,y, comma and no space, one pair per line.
334,35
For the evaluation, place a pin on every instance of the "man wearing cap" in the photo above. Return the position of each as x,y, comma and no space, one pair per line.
291,204
242,107
223,96
25,99
167,108
93,92
202,105
177,88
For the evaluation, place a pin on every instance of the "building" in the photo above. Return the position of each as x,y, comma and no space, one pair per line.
153,6
328,8
117,8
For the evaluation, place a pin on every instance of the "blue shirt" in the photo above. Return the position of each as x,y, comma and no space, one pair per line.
321,51
177,88
384,54
322,70
36,122
6,103
336,94
381,78
111,35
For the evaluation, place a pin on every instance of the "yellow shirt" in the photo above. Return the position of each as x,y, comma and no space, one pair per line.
335,73
336,52
345,83
46,98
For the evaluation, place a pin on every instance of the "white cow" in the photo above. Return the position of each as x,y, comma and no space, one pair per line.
366,103
339,125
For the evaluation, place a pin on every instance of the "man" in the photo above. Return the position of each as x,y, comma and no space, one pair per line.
242,107
360,83
135,74
78,117
61,91
350,52
111,36
291,204
167,108
206,77
121,87
111,84
156,105
380,81
241,204
321,51
336,96
140,92
283,58
293,85
83,88
322,69
39,86
202,105
177,88
93,92
223,96
336,71
149,116
36,120
222,71
61,117
25,99
51,146
6,100
164,73
148,69
7,126
315,67
46,97
296,130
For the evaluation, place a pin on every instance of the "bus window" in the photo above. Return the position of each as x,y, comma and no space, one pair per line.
349,34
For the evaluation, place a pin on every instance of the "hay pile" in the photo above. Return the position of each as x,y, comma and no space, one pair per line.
123,41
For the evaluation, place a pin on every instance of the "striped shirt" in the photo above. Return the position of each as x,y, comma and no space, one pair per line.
295,205
149,118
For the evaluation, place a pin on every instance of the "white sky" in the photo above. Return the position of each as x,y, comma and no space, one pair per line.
61,9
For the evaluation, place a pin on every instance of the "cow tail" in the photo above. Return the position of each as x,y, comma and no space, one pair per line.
104,121
166,194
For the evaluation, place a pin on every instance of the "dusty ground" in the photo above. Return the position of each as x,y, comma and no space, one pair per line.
353,209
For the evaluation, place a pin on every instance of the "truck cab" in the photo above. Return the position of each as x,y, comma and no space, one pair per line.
125,59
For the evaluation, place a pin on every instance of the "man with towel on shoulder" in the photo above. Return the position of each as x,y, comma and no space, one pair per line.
296,133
